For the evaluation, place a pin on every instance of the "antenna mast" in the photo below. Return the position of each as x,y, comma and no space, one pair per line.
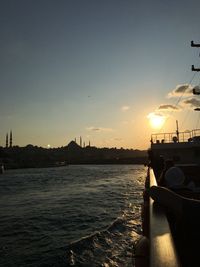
196,91
195,45
177,130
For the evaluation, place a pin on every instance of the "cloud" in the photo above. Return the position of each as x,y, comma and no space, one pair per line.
99,129
118,139
128,122
192,102
156,119
125,108
181,89
168,107
196,88
155,114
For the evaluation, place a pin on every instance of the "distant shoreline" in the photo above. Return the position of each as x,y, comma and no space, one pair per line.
72,154
74,164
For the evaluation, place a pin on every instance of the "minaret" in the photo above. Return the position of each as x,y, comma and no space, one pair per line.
80,141
89,143
75,140
7,140
10,138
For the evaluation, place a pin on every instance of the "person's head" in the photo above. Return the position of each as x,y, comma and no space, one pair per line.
168,164
174,177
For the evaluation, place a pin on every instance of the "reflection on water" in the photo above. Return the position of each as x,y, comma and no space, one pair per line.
88,215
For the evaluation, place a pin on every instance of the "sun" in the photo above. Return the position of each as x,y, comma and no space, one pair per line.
156,120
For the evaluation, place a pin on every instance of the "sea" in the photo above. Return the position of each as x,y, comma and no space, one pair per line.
76,215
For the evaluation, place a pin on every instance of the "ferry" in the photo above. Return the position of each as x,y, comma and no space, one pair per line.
166,241
160,245
182,147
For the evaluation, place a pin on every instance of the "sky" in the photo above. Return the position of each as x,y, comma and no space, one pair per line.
99,69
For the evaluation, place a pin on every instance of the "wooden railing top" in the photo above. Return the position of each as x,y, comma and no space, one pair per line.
162,248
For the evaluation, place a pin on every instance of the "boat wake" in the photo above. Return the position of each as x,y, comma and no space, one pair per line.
75,216
110,247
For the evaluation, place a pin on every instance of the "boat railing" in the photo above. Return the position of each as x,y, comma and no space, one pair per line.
187,136
162,249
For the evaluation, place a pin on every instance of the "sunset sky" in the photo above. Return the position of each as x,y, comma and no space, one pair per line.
100,69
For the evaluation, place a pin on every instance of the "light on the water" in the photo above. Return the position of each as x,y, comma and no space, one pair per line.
156,120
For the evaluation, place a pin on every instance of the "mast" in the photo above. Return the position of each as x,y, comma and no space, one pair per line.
195,45
196,91
177,130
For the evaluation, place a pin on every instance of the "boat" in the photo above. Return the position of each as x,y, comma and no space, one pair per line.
182,147
164,247
160,245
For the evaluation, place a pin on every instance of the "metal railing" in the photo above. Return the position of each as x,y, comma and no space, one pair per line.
162,249
187,136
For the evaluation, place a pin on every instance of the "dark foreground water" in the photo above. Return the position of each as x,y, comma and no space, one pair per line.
70,216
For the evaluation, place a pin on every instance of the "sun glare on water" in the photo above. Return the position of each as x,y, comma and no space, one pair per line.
156,120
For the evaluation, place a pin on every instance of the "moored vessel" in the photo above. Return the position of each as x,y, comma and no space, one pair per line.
171,242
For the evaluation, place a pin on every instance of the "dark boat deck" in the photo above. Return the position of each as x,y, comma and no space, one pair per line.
162,248
174,240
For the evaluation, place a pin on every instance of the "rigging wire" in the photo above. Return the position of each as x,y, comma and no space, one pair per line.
189,111
198,121
179,99
184,92
185,118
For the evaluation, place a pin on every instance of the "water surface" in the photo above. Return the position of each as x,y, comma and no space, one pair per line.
84,215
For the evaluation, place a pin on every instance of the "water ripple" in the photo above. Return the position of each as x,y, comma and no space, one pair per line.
82,215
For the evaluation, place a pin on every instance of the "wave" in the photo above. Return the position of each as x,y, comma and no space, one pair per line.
112,246
44,210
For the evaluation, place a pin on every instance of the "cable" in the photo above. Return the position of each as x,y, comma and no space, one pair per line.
198,119
177,102
189,111
186,117
179,99
184,91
